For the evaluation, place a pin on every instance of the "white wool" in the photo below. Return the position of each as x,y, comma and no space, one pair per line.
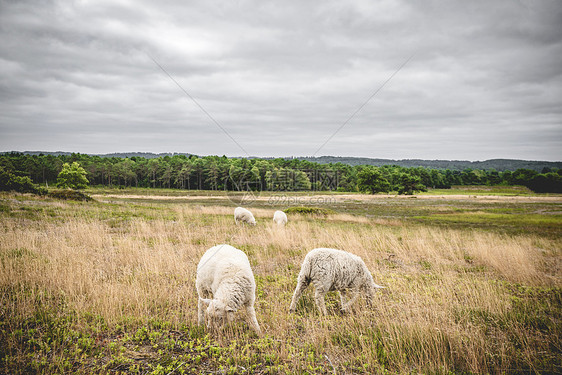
331,270
225,282
280,218
243,215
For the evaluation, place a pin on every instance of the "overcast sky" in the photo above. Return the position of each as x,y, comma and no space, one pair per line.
280,78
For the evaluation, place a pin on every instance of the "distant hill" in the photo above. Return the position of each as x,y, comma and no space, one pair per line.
147,155
497,164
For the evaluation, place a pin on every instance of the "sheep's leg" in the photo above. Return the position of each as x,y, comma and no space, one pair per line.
252,320
202,306
319,298
345,305
301,286
201,312
319,294
370,296
342,298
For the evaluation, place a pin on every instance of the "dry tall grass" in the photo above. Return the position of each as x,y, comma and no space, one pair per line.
448,306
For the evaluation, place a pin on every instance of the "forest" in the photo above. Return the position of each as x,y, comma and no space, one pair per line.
221,173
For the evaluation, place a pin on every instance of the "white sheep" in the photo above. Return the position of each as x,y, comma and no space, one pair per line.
243,215
329,270
225,282
280,218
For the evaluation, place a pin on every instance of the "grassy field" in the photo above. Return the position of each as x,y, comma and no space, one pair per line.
479,190
474,284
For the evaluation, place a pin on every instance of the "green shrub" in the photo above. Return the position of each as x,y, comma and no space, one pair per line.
309,211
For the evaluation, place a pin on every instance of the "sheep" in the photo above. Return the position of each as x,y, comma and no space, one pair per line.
243,215
280,218
331,269
225,282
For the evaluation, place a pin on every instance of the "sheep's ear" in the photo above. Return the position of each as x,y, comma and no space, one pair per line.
206,301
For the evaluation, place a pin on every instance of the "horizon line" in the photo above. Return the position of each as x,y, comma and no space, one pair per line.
275,157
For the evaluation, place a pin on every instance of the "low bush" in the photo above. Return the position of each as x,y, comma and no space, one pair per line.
309,211
69,194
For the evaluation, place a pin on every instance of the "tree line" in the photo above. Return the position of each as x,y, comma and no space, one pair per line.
222,173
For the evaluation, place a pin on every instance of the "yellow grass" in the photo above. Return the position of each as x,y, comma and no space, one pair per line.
444,308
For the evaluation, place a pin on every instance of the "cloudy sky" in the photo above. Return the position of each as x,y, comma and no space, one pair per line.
470,80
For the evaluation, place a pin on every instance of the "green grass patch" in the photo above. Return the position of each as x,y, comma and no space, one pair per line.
483,190
497,219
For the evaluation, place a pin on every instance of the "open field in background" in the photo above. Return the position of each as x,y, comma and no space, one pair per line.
455,190
474,284
485,190
511,209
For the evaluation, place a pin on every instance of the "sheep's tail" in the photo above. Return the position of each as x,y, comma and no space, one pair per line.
377,286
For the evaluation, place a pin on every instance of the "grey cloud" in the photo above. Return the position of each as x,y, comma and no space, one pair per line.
484,81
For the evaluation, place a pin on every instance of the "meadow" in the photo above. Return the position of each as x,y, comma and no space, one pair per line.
474,284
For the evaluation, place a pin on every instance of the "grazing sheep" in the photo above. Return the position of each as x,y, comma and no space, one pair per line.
331,269
280,218
225,282
243,215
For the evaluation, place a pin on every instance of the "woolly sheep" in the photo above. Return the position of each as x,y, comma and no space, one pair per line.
243,215
280,218
329,270
225,282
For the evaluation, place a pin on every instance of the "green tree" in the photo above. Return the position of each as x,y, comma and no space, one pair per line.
262,167
471,177
409,184
72,176
199,168
278,179
438,180
213,173
546,183
301,181
493,178
125,171
423,174
372,181
21,184
152,168
523,176
184,175
165,170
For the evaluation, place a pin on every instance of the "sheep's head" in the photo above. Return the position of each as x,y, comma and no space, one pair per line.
218,314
